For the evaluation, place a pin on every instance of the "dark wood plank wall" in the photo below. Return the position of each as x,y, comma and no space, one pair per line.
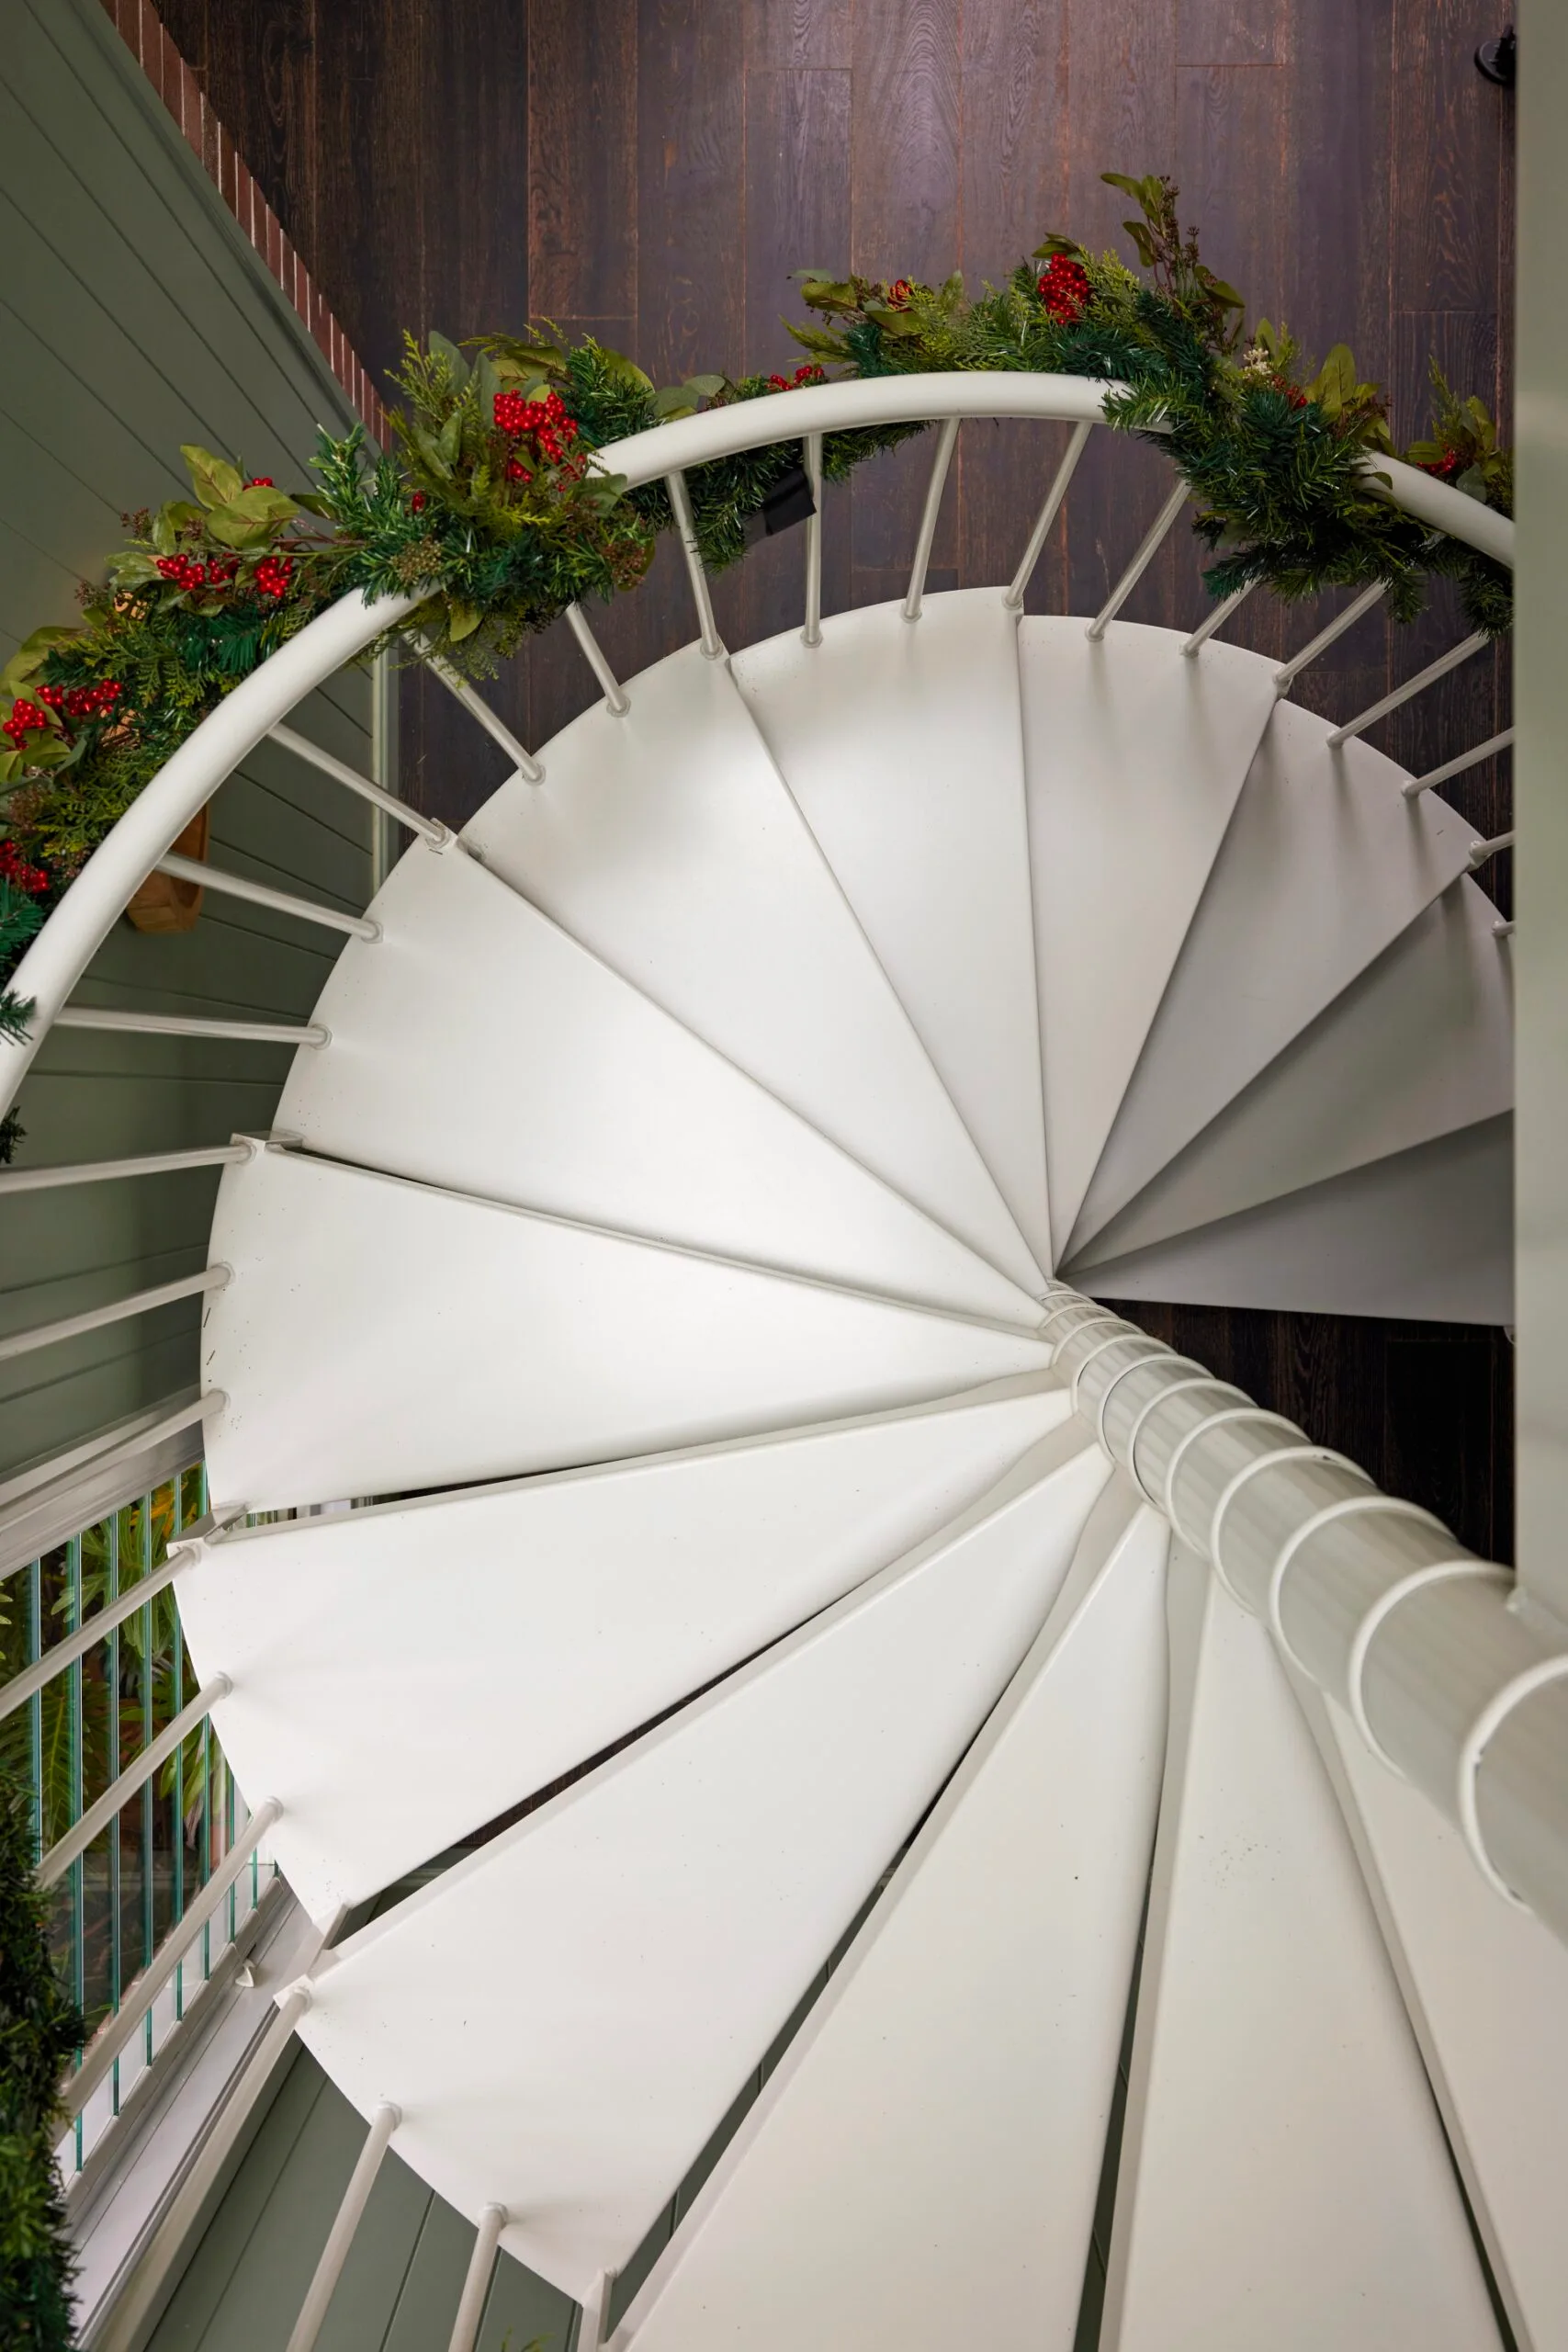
651,170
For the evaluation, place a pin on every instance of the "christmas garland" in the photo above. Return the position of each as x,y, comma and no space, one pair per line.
490,505
40,2027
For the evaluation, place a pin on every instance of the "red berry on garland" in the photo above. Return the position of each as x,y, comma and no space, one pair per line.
416,503
25,719
517,471
53,695
1063,287
14,870
261,481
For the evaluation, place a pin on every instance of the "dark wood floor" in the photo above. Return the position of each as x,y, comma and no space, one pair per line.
651,171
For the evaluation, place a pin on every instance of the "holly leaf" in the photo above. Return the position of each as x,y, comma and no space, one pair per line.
439,348
214,481
706,387
449,439
512,357
486,383
829,294
1143,240
622,370
430,450
30,658
1147,193
1334,386
897,323
130,570
1053,245
462,619
10,768
1472,482
675,399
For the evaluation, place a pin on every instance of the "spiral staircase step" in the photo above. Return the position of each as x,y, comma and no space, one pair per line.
1478,1977
395,1701
478,1046
1419,1045
1425,1235
903,743
669,843
564,2019
1135,758
380,1337
1284,2180
946,2101
1324,865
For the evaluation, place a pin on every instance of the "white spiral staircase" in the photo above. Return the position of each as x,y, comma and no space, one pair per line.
674,1217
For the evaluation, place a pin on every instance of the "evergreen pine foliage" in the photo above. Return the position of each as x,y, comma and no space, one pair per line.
492,505
40,2029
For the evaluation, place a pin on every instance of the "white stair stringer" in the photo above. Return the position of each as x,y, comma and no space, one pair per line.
564,2017
1420,1047
1284,2180
921,2166
1425,1235
1135,758
478,1046
1324,864
378,1336
903,743
667,842
403,1675
1480,1979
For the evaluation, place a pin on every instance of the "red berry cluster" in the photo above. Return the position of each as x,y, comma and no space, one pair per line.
261,481
808,372
543,421
1063,287
273,574
185,570
25,719
416,503
82,702
1445,467
19,875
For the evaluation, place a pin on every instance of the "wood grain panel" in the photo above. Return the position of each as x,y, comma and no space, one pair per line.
581,254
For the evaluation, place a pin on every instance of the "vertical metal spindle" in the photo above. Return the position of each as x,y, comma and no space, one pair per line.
1325,636
812,633
78,1878
177,1828
475,2285
334,2254
149,1801
616,701
686,525
35,1705
946,439
1221,614
1412,687
1152,541
1014,596
111,1678
1494,743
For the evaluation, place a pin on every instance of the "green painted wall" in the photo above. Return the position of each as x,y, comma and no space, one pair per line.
134,317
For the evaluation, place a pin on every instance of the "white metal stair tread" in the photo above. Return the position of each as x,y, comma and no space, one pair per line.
1284,2180
1324,864
1134,759
903,743
1421,1044
1425,1234
667,842
478,1046
564,2017
922,2165
395,1703
379,1336
1479,1979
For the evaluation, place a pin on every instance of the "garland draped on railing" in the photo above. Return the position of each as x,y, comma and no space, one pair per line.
490,502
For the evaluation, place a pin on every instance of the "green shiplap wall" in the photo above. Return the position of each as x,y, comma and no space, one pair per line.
244,2285
134,317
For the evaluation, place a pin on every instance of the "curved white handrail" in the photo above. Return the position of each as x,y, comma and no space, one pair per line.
83,920
183,786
